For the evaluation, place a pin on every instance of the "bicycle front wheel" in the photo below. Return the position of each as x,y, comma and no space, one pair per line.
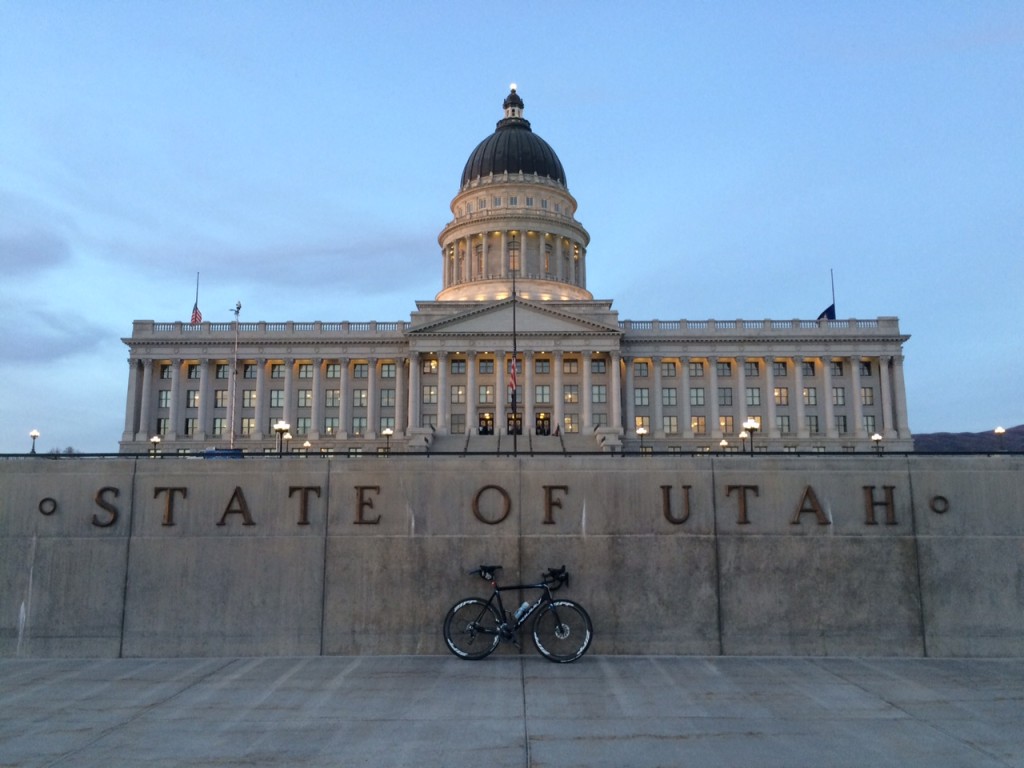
471,628
562,631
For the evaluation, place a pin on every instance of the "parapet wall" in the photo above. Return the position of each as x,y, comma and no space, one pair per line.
831,555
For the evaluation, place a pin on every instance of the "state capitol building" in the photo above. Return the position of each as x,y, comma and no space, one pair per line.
513,262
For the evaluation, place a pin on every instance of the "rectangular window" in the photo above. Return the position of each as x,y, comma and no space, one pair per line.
781,395
359,398
865,368
641,396
277,398
361,371
598,393
428,366
331,425
698,425
640,370
248,427
696,370
751,368
643,421
812,424
496,202
837,367
696,395
333,371
387,398
458,367
779,369
753,395
598,366
670,425
428,420
782,424
302,425
164,399
332,398
191,426
542,394
165,371
458,393
571,423
841,425
222,371
306,371
810,396
838,396
513,200
458,423
570,393
481,203
544,204
529,202
193,371
869,424
358,425
386,422
668,396
277,371
387,370
725,423
600,419
220,426
486,393
429,393
192,398
162,426
486,366
305,398
220,398
519,366
867,396
725,395
668,370
541,366
724,369
807,368
571,366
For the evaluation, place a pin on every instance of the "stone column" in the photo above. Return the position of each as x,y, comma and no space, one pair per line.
657,423
830,411
372,400
900,397
500,426
472,396
289,394
858,406
615,396
262,426
715,428
630,398
743,410
401,397
316,413
888,425
771,429
176,397
344,397
529,416
586,399
802,432
444,396
684,396
146,411
503,259
204,400
131,416
557,396
415,393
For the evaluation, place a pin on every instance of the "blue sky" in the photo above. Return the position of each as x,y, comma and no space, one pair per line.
302,158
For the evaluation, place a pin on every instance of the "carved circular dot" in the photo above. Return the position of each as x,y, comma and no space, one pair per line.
47,506
939,504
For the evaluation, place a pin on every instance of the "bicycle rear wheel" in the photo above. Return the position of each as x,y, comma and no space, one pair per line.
471,628
562,631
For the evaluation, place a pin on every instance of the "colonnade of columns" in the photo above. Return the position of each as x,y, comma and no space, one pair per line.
483,256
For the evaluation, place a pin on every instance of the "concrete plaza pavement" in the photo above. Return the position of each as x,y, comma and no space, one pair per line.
512,710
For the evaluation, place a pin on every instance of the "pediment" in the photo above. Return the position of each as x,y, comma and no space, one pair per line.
530,320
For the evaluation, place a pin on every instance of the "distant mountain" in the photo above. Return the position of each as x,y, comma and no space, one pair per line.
971,442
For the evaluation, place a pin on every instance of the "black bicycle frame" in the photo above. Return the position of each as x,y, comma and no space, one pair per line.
534,605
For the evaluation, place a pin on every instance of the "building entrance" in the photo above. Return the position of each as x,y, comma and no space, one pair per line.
543,425
486,424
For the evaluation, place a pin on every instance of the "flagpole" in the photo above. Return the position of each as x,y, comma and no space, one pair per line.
234,381
832,277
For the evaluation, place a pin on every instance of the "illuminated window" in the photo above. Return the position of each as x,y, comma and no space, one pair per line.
867,396
810,396
571,393
571,366
332,398
220,426
429,393
486,393
698,425
331,425
725,423
359,398
781,395
220,398
838,396
458,393
192,398
305,398
248,427
358,425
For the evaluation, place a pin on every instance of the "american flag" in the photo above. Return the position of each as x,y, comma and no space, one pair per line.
512,378
197,316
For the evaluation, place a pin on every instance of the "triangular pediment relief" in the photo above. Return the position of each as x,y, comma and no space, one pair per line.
530,320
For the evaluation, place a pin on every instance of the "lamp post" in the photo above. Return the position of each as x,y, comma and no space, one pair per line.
876,439
34,434
306,445
999,432
743,440
154,441
513,264
281,428
387,432
724,445
641,431
287,437
751,425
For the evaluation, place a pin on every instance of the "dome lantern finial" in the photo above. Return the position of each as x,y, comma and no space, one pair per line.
513,104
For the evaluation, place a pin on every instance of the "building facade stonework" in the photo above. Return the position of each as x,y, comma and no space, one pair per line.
514,271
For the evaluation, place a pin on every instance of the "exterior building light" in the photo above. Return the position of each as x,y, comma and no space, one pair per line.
34,434
876,439
281,428
751,426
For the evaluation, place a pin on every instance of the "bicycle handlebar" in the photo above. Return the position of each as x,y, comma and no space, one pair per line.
556,578
486,572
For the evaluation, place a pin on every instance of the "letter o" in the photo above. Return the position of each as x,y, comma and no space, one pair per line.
507,502
47,506
939,504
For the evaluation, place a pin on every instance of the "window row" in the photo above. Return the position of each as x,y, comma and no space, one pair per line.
698,425
642,396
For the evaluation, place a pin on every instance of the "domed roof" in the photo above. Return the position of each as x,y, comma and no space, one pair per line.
513,147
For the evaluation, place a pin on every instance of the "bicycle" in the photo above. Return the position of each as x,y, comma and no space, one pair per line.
561,630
